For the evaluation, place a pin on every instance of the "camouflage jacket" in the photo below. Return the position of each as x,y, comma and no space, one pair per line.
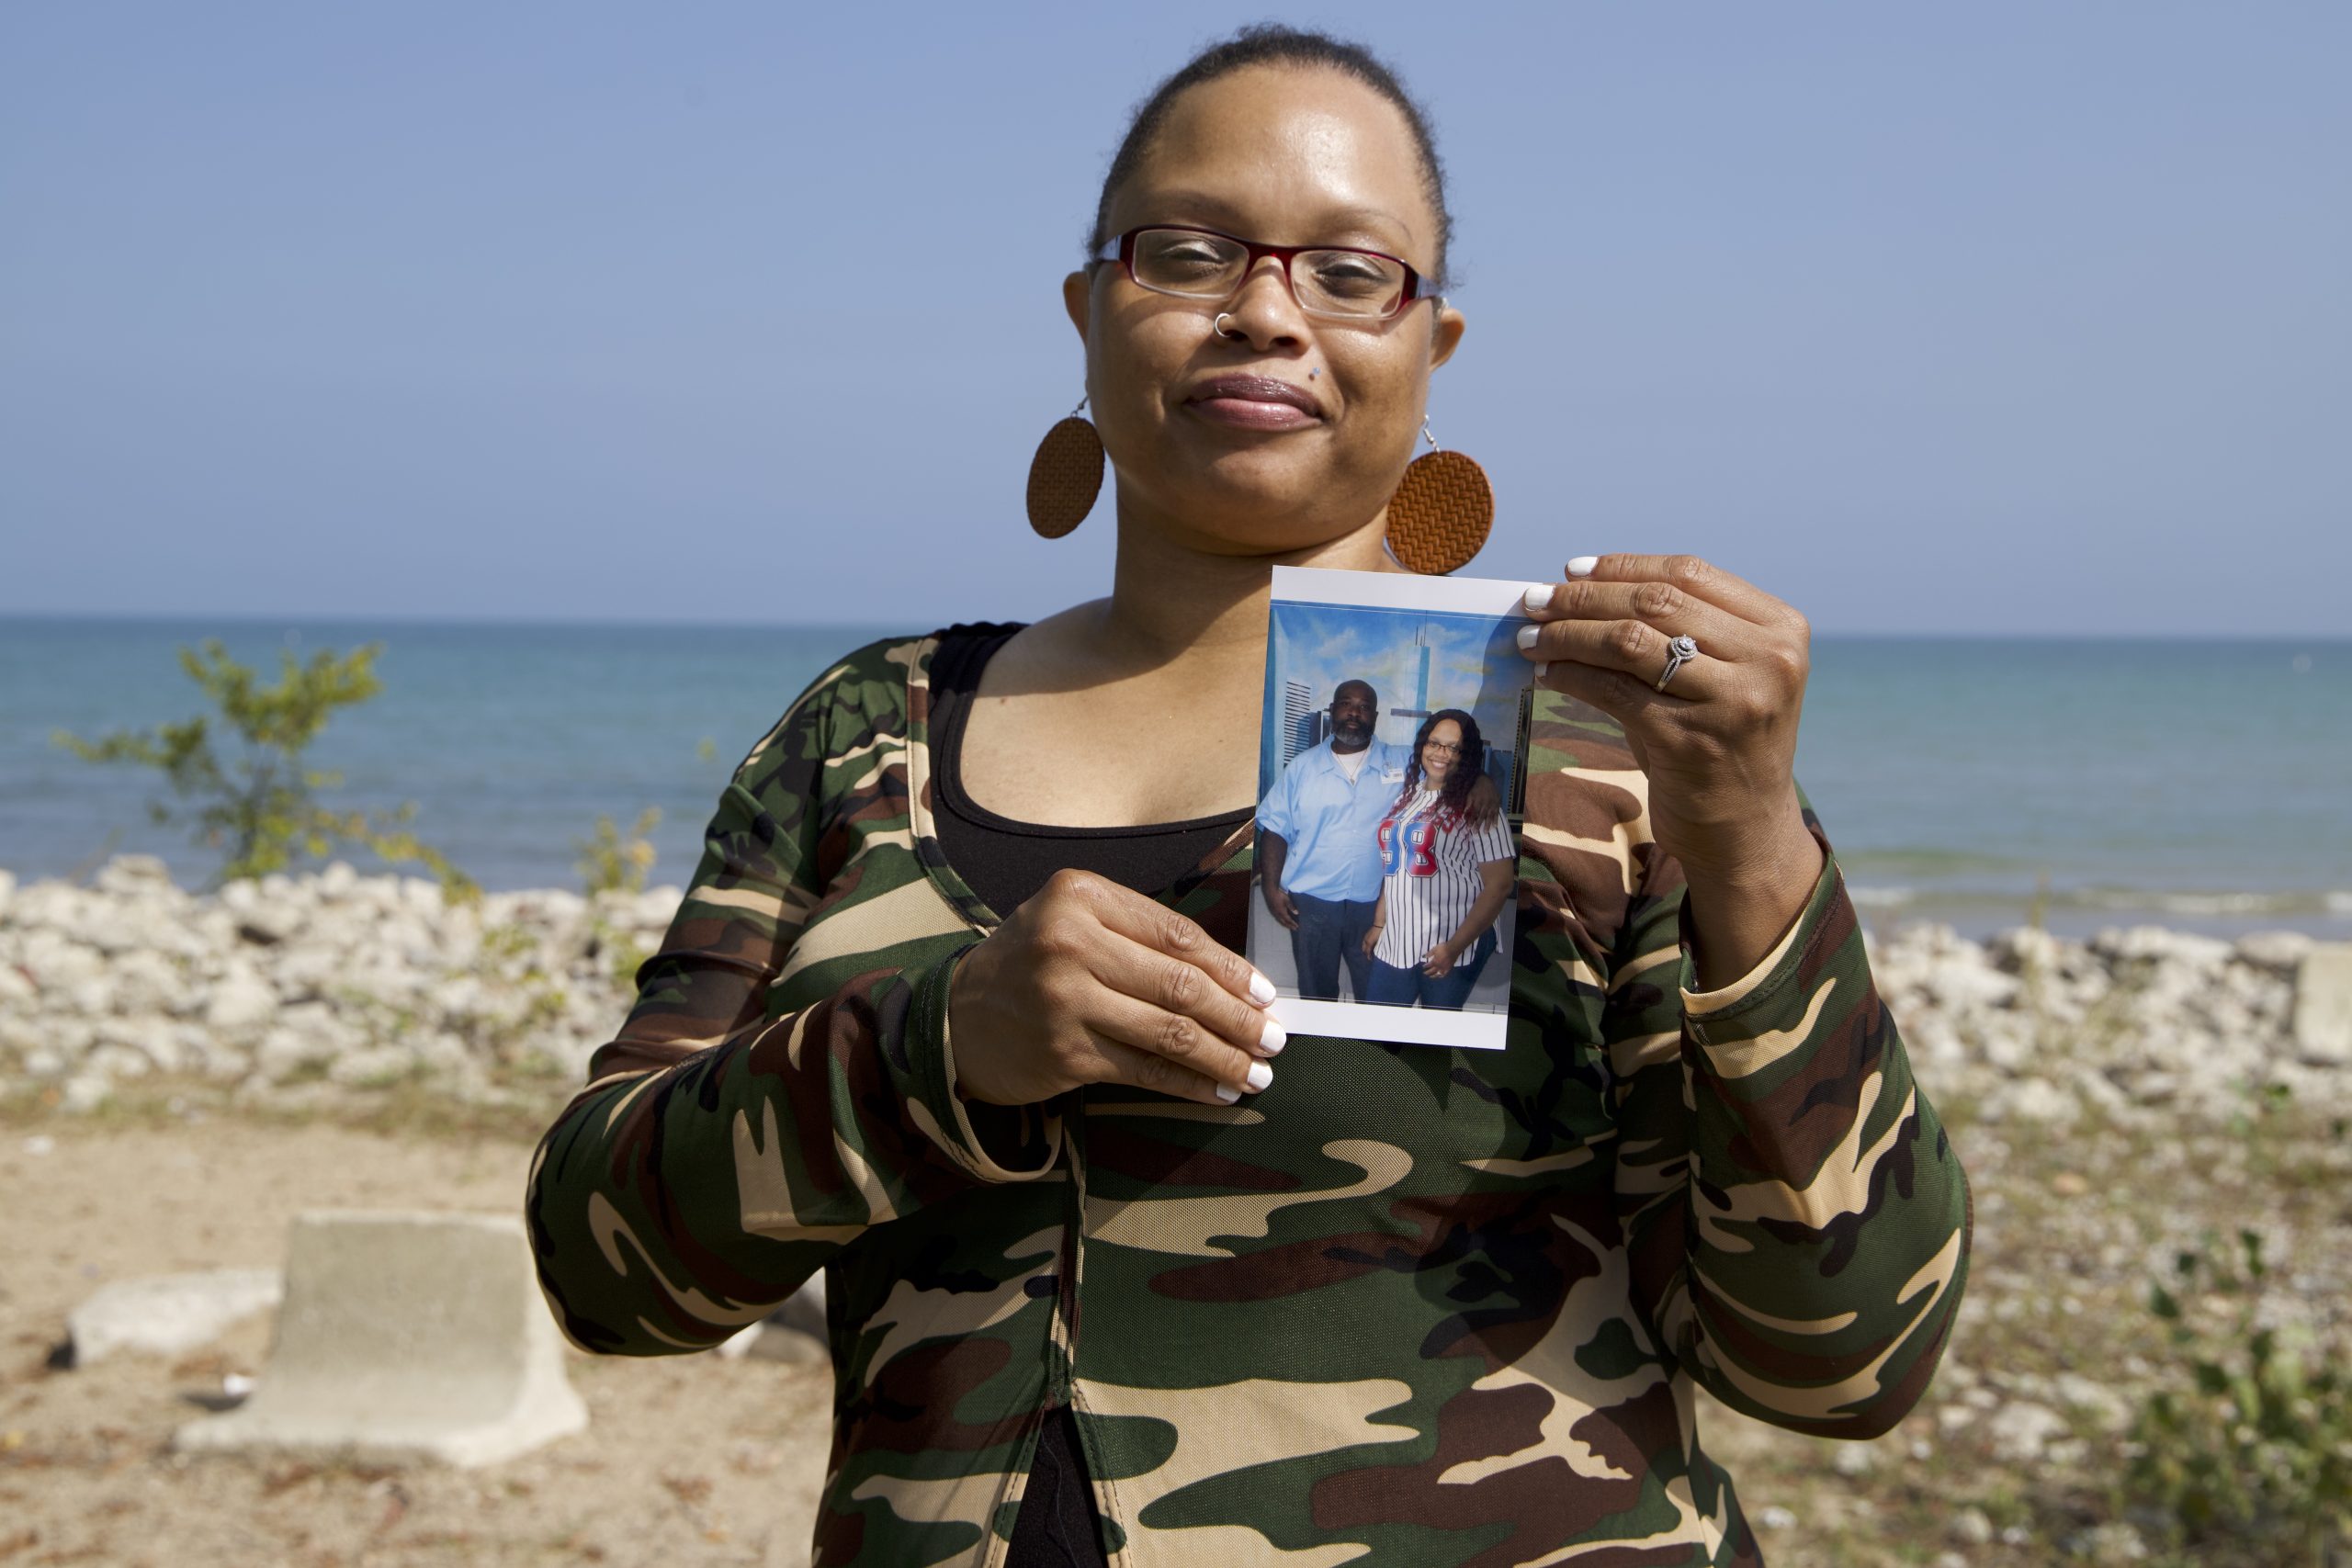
1408,1307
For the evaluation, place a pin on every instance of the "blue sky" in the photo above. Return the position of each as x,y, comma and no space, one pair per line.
2000,318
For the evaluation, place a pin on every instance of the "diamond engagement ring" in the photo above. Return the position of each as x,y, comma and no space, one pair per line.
1678,652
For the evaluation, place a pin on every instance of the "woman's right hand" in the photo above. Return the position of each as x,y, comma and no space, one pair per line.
1090,982
1370,939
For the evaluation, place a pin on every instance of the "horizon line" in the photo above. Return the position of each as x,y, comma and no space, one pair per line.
247,618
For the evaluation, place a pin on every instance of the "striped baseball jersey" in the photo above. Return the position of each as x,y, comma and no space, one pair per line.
1407,1308
1429,856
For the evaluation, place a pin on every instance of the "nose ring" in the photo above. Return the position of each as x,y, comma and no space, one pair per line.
1218,325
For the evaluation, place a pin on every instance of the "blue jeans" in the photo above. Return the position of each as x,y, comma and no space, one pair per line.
1331,931
1403,987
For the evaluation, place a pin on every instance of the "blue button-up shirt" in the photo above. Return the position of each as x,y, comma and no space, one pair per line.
1333,826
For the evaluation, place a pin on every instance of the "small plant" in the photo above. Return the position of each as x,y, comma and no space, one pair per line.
2254,1451
259,804
611,863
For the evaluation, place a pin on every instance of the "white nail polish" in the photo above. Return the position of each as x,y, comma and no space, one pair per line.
1539,597
1582,566
1260,1075
1526,635
1228,1093
1261,990
1273,1038
1542,671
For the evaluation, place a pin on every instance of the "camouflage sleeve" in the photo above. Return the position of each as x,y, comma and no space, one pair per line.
721,1155
1797,1223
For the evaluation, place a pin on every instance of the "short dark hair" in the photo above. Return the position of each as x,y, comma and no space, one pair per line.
1366,687
1272,43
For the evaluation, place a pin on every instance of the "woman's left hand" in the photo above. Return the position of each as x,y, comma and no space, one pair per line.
1442,959
1719,743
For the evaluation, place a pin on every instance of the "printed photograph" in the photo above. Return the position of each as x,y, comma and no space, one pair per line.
1387,769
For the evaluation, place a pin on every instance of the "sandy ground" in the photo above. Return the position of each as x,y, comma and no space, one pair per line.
696,1460
686,1459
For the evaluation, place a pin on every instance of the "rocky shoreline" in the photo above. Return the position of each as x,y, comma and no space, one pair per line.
293,991
301,990
2123,1102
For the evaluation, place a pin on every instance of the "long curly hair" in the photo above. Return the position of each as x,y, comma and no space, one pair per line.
1467,768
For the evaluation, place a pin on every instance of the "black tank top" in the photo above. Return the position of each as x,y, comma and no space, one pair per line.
1005,862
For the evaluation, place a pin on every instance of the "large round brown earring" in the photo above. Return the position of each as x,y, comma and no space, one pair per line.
1065,476
1442,512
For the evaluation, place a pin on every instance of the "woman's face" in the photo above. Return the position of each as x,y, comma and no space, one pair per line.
1439,751
1284,156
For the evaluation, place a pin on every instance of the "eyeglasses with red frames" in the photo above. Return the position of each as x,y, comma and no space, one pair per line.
1326,280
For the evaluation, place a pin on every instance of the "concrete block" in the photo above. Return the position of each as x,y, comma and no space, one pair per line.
166,1313
405,1337
2322,1026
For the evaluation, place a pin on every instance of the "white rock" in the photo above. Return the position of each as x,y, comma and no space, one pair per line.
305,1033
2006,1041
55,962
371,1067
166,1313
1930,1037
267,923
93,998
2111,1545
113,1061
2277,951
2038,1100
1972,1526
459,997
238,1002
154,1038
146,981
85,1091
2322,1017
2025,949
132,874
2022,1429
7,891
2112,1409
1971,986
2157,944
308,971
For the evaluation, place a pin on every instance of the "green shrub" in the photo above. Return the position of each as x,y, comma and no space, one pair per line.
2247,1447
259,804
610,863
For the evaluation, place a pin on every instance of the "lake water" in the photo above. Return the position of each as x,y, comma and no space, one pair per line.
2200,784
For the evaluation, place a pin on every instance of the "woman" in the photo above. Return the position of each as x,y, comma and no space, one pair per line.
1447,872
955,1011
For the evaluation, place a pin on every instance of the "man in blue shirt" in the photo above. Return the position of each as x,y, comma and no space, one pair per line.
1318,843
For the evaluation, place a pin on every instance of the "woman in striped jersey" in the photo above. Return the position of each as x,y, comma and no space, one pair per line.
1448,873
